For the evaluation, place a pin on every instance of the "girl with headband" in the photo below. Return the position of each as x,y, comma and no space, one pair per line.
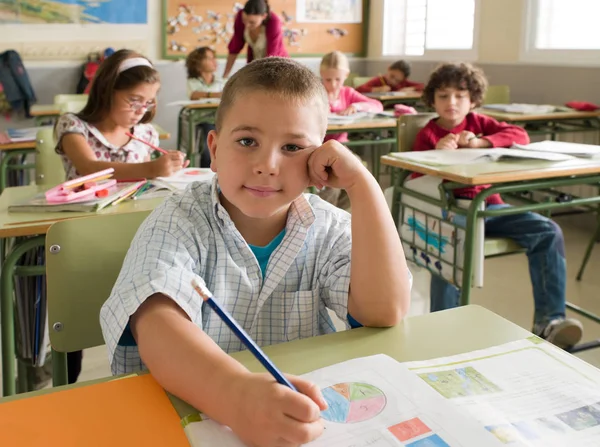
122,100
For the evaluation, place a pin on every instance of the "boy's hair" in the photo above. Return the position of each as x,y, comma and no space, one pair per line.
402,66
257,7
460,76
108,79
278,76
336,60
193,61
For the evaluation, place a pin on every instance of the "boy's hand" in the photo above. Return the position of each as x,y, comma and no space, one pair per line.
465,138
334,165
168,164
450,141
268,414
349,111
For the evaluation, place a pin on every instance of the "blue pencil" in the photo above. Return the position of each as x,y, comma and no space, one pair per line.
241,333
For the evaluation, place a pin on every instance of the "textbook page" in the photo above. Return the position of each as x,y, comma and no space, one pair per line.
468,156
563,147
526,393
373,402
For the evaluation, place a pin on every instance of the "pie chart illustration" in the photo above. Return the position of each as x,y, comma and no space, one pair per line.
352,402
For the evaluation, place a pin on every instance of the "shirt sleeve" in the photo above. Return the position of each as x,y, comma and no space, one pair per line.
66,124
334,276
236,44
163,258
502,134
424,141
367,87
363,103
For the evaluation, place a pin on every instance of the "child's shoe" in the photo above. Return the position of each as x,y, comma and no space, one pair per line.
562,332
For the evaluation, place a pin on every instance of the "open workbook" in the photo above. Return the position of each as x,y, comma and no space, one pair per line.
472,156
526,393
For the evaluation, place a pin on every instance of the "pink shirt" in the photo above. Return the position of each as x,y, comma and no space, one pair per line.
347,97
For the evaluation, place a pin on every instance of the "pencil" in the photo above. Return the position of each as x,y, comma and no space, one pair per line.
383,83
156,148
205,294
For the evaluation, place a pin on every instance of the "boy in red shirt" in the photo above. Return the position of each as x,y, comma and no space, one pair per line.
395,80
454,90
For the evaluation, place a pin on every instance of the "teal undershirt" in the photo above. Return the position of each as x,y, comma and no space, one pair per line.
264,253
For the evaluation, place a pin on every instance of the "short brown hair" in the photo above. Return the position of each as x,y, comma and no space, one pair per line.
194,59
278,76
108,79
460,76
402,66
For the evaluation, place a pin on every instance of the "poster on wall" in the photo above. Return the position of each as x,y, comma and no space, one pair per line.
329,11
73,11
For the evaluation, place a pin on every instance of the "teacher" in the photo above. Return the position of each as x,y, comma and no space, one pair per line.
258,27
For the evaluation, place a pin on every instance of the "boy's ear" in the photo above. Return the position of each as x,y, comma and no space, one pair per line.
212,147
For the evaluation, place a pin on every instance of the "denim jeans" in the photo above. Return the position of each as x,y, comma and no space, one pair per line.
543,240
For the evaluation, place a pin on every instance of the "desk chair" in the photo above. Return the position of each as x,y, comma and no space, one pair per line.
49,169
61,99
408,127
73,106
81,269
497,94
359,80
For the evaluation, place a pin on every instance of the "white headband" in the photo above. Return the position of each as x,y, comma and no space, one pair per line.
134,62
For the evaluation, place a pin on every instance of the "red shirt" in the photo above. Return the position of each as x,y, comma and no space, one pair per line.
499,134
273,33
367,87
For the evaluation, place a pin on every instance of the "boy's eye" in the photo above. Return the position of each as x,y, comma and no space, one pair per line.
292,148
246,142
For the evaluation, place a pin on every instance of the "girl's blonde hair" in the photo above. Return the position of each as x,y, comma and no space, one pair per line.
336,60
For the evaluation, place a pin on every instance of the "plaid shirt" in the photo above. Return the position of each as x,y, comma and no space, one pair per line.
192,234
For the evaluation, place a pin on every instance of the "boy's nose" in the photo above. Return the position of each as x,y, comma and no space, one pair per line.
267,163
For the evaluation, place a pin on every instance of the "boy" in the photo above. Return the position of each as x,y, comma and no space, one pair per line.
454,90
395,80
275,259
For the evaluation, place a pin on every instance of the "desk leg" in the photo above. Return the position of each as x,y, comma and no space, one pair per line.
470,245
7,312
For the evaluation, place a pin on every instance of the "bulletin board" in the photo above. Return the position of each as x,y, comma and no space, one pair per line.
310,27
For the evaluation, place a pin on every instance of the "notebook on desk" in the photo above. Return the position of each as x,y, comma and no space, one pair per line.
472,156
562,147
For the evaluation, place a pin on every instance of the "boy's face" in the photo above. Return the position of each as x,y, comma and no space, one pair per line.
452,104
333,79
395,77
261,153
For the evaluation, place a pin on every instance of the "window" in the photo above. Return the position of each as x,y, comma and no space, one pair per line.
427,27
562,31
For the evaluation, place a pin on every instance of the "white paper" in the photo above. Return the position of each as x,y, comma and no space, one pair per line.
526,393
333,118
329,11
182,178
522,108
374,401
472,156
562,147
24,133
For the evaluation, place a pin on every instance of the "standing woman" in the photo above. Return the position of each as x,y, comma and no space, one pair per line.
258,27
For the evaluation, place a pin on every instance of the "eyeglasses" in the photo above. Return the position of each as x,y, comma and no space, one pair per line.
136,105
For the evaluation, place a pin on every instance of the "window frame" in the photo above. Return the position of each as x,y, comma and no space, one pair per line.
530,54
468,55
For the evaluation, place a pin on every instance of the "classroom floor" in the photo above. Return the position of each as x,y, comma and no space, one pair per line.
507,292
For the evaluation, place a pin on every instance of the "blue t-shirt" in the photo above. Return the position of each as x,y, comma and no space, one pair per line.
264,253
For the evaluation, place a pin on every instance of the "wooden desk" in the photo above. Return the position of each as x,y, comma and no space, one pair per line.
465,329
552,116
370,124
389,98
506,178
45,110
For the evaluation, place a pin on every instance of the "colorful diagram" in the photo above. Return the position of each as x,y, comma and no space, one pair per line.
460,382
353,402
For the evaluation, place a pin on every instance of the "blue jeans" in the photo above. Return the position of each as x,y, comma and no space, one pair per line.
544,242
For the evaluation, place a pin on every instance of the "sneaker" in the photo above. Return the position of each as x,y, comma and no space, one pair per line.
562,332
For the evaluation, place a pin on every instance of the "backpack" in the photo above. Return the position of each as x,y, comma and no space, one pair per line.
15,82
89,69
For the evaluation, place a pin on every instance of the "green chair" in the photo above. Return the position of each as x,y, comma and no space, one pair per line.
74,106
408,127
83,259
61,99
359,80
497,94
49,168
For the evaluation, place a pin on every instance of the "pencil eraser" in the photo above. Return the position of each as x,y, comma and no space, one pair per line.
200,287
102,193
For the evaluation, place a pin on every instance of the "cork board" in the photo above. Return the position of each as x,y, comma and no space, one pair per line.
309,26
